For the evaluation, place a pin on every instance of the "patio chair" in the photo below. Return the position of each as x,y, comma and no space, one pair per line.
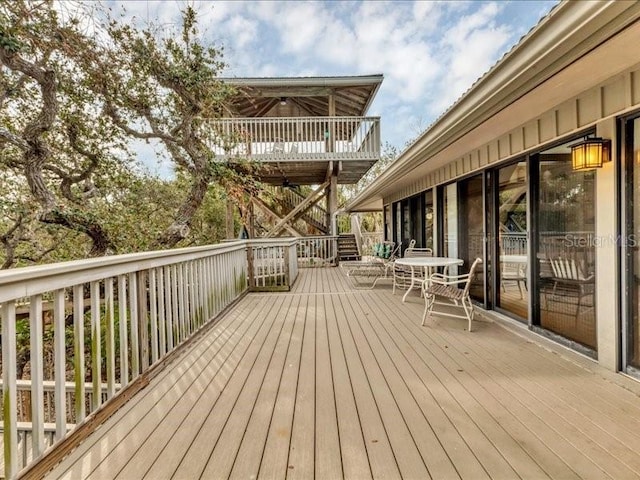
384,254
402,274
452,288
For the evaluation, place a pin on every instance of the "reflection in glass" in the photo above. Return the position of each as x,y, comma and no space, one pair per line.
512,240
450,223
471,230
632,243
566,248
429,217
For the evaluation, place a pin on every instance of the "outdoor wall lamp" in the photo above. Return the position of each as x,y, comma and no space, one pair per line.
590,153
283,100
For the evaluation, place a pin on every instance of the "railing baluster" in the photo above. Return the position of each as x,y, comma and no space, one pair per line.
162,322
124,340
9,389
78,351
133,317
60,354
192,298
96,353
143,319
175,330
168,284
37,375
110,342
181,285
153,301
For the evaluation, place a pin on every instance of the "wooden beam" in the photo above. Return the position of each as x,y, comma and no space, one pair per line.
230,234
262,206
305,205
290,92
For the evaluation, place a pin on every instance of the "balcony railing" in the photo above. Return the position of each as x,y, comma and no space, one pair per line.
119,316
296,138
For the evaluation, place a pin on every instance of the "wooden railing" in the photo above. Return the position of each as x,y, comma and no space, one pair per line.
320,251
273,264
296,138
119,316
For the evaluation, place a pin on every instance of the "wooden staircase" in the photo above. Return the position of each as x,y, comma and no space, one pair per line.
347,247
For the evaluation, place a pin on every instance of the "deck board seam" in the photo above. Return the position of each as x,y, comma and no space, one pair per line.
250,370
484,408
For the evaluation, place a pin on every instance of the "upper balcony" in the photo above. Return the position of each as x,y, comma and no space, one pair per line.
299,149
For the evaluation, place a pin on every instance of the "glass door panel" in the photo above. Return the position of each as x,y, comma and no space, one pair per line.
450,223
429,216
512,230
472,230
631,243
566,248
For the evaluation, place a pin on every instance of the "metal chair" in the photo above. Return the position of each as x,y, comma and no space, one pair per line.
448,287
402,274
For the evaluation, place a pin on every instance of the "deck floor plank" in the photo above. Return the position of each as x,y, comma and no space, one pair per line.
226,338
355,461
471,419
452,441
550,392
426,442
302,448
253,411
332,382
273,460
181,423
328,460
240,391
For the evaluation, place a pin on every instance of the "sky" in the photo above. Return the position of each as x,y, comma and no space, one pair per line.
430,52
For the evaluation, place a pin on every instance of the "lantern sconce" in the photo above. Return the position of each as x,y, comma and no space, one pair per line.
590,153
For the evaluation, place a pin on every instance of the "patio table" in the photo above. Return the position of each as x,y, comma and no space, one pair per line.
426,263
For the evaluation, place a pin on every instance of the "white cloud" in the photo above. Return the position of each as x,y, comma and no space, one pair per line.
430,52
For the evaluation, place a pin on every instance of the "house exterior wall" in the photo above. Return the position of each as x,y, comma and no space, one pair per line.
598,107
614,97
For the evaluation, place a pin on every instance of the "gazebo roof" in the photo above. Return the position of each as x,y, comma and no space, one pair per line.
260,97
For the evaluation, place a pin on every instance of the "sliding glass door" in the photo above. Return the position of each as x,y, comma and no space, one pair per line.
632,242
511,232
472,230
565,253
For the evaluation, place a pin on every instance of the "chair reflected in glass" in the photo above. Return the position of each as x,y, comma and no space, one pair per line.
570,279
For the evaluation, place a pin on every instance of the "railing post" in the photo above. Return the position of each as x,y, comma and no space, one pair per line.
250,268
9,390
287,270
143,320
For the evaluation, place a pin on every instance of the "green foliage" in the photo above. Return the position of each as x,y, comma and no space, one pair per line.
70,185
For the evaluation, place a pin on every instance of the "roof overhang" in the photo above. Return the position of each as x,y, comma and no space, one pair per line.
352,95
562,56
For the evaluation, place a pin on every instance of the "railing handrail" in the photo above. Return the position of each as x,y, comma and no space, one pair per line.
293,119
33,280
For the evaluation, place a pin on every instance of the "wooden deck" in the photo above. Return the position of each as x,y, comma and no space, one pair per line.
326,382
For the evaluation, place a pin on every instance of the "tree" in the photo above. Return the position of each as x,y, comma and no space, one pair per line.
72,96
170,93
51,134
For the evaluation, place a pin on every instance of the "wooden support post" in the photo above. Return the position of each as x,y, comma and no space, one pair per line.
229,220
252,220
250,268
331,139
332,202
286,258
